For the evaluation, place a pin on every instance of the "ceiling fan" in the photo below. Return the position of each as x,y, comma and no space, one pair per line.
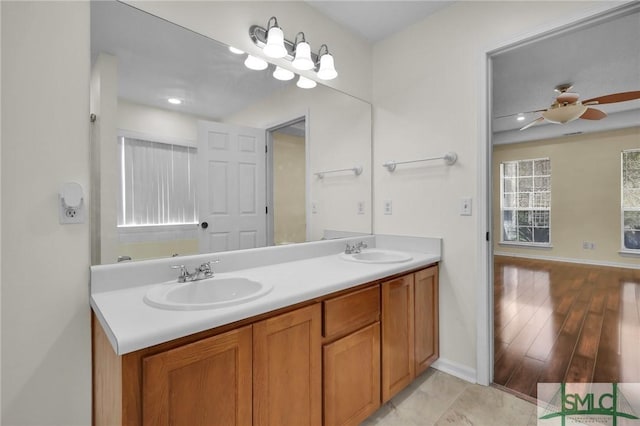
567,106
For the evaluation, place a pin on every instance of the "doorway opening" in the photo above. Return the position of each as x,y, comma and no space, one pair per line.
287,154
559,309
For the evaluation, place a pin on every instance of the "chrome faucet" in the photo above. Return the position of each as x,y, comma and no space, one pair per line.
201,272
356,248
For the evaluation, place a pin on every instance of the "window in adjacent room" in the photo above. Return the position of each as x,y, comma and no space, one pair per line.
525,201
157,183
631,200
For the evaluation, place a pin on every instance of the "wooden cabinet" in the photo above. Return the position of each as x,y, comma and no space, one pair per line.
351,364
398,368
207,382
333,359
426,316
287,376
409,328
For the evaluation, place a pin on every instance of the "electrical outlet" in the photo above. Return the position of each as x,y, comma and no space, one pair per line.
360,207
388,207
588,245
314,207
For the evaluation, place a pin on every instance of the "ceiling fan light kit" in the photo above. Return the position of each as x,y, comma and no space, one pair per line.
567,107
274,45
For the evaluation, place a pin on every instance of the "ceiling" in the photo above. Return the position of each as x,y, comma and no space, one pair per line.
599,59
377,20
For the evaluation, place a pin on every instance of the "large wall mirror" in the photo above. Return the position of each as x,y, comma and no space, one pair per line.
193,152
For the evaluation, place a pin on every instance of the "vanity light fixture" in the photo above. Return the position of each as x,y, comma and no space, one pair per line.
274,48
306,83
283,74
298,52
174,101
327,69
255,63
302,59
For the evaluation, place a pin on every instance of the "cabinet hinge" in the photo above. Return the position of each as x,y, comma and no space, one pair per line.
487,236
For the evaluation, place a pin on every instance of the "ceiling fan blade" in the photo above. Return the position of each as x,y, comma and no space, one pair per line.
534,122
593,114
519,113
615,97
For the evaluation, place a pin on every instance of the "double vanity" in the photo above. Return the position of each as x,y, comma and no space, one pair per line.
290,335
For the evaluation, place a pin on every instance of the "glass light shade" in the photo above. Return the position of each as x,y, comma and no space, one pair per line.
283,74
255,63
235,50
275,43
564,114
303,61
327,69
306,83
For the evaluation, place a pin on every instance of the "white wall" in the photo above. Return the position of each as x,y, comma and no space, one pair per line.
427,88
229,22
46,352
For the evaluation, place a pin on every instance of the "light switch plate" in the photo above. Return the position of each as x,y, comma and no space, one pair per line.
465,206
360,207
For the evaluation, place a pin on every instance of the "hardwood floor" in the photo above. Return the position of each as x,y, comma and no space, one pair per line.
564,322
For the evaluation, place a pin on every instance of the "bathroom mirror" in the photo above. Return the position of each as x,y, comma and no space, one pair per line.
193,176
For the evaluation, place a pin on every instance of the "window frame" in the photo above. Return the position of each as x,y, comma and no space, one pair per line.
524,244
623,209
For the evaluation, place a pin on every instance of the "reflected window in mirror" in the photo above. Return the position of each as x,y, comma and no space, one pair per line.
157,183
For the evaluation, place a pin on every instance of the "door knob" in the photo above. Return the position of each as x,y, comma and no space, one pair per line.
204,225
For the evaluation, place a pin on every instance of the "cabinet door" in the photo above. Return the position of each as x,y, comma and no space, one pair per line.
398,365
352,377
206,383
287,369
426,318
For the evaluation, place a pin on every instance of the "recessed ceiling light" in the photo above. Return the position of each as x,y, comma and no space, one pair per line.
174,101
235,50
520,118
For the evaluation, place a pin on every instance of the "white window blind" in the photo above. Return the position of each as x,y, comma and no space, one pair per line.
631,199
525,201
157,183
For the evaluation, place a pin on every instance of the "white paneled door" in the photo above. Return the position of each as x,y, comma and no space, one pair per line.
232,187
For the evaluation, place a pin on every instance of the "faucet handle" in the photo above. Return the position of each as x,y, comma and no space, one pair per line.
182,277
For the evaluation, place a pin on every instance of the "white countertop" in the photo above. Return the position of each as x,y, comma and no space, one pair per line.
131,324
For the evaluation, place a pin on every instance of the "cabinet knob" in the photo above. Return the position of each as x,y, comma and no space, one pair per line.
204,225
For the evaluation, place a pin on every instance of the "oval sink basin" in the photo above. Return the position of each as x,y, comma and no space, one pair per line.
205,294
377,256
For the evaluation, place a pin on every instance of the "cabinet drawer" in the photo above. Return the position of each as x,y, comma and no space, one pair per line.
351,311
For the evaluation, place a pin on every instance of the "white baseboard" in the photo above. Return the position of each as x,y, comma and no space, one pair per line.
569,260
458,370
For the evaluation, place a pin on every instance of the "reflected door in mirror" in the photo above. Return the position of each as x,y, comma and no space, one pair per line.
232,187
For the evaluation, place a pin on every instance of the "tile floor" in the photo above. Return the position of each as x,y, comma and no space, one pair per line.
436,398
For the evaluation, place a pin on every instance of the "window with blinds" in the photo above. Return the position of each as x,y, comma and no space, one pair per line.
631,199
158,183
525,201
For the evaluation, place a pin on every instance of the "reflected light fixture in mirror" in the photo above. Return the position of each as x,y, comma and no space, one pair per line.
283,74
255,63
236,50
306,83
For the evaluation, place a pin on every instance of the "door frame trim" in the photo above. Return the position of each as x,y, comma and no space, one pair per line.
484,293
